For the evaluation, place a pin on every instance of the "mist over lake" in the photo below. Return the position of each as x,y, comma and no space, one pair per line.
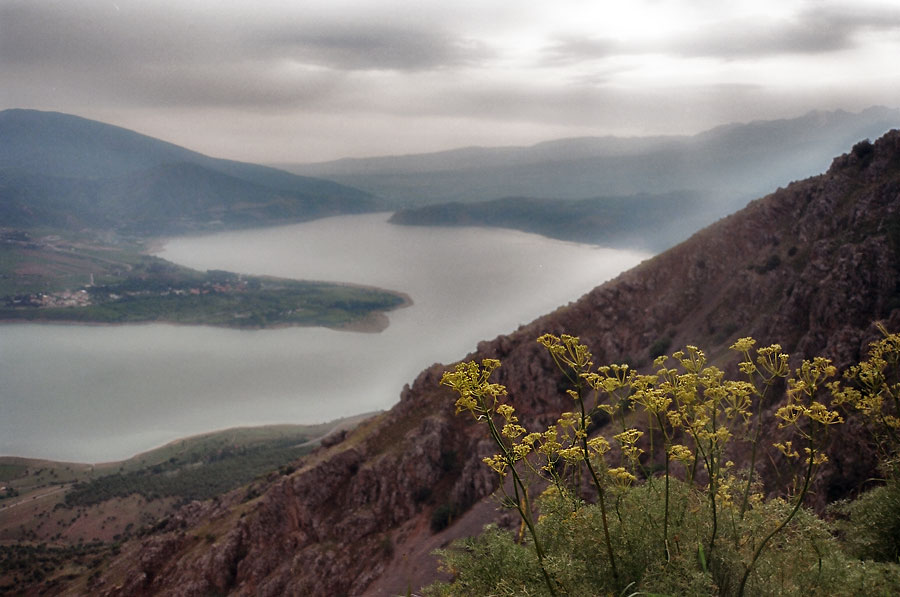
94,394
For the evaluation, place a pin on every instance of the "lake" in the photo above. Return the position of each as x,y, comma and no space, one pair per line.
100,393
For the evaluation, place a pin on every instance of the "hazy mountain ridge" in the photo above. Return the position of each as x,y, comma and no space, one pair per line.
58,169
487,158
644,222
810,266
738,162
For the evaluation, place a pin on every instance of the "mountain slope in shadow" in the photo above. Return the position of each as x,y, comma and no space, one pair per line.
63,170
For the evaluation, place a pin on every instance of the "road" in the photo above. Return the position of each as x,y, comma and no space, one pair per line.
35,496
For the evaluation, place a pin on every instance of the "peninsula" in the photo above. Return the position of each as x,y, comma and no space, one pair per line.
78,278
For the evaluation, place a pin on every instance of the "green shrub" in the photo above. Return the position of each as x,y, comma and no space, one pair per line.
695,526
474,562
442,517
872,531
660,347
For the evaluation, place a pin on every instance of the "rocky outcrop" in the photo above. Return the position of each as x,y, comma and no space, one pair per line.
810,266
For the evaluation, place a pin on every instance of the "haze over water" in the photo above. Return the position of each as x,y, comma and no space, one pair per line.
95,394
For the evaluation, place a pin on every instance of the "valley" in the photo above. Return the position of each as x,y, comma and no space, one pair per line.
811,265
438,299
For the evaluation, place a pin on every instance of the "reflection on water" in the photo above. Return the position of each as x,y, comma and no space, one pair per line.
103,393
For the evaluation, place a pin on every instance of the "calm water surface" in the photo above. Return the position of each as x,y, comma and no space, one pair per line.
93,394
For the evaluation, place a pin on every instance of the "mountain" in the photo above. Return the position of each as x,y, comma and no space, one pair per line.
644,222
810,266
735,162
63,170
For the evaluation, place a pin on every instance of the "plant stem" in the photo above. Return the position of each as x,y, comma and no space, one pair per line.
713,469
523,504
666,515
712,504
600,493
762,545
606,535
746,498
759,410
666,445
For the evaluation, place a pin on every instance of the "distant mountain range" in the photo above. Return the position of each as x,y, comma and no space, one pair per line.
60,170
737,162
63,170
647,193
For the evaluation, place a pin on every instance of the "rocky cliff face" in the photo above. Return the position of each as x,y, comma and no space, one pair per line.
810,266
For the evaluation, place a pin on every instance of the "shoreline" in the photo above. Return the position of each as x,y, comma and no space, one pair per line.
374,322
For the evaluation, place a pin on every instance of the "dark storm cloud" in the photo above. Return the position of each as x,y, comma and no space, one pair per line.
363,46
97,33
147,54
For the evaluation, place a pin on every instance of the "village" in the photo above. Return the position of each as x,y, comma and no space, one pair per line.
92,295
148,278
66,298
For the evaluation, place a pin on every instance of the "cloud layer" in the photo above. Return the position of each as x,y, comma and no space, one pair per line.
285,81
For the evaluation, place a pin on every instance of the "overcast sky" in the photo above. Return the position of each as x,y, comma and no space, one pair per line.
310,80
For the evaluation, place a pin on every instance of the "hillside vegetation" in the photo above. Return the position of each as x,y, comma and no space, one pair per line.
80,199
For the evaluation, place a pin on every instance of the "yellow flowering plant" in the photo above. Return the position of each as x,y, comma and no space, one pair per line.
699,416
872,389
482,398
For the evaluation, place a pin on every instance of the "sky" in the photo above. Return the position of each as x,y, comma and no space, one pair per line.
312,80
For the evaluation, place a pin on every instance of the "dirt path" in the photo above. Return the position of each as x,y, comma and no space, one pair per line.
35,496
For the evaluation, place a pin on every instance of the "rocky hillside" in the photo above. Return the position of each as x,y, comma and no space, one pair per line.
810,266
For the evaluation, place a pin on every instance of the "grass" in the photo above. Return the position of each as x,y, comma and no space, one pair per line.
9,472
